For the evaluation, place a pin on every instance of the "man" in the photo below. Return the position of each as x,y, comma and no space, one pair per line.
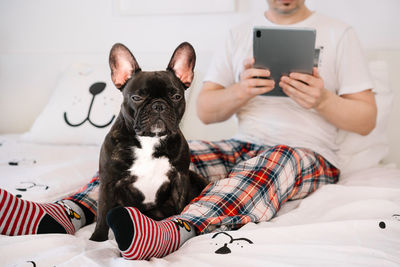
284,149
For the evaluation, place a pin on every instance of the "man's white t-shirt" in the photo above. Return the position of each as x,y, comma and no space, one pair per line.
269,120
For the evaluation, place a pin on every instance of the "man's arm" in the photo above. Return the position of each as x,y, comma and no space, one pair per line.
216,103
352,112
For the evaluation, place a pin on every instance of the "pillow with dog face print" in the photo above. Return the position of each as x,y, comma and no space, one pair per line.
81,110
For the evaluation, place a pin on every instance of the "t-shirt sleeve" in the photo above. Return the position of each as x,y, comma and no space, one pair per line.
351,65
221,68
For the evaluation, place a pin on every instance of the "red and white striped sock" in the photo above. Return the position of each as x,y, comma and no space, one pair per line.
21,217
141,238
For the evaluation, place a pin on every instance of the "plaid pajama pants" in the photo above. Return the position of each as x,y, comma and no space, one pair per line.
248,182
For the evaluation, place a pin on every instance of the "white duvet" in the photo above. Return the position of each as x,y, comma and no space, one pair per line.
353,223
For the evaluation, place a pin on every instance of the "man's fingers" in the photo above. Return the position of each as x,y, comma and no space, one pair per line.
316,73
258,86
260,90
306,78
248,63
296,84
260,83
255,81
301,98
255,73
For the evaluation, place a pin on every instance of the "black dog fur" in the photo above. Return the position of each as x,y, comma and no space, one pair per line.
144,160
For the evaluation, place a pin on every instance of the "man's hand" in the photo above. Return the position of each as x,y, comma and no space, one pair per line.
352,112
307,90
253,81
216,103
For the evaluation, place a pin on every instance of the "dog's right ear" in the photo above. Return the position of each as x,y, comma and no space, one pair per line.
122,64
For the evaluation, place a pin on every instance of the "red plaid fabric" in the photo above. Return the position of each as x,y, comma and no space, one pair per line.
88,194
249,183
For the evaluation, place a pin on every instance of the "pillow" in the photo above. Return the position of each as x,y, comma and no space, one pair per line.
358,152
84,105
81,109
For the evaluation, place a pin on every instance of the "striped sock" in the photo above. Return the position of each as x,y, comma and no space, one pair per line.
141,238
21,217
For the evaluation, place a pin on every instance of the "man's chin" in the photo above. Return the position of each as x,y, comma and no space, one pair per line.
287,11
286,7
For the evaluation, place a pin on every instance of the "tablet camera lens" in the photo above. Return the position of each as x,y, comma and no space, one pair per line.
258,34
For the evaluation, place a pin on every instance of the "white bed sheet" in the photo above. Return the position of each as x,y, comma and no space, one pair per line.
353,223
63,169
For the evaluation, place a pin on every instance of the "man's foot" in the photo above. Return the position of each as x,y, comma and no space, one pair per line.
21,217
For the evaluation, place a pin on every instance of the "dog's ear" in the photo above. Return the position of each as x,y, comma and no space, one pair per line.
182,63
122,64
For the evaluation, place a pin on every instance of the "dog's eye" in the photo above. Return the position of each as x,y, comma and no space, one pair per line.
136,98
176,97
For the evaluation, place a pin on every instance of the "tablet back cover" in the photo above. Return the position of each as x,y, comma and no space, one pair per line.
282,51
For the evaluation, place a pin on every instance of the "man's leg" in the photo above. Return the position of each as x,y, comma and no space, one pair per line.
21,217
253,192
213,160
255,189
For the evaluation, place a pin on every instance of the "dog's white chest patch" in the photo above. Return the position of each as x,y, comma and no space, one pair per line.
151,172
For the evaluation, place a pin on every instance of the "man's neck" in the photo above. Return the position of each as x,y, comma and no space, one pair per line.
287,19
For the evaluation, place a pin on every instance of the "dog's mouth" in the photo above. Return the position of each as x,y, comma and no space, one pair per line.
158,127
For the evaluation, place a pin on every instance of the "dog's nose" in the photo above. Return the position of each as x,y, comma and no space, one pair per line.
158,106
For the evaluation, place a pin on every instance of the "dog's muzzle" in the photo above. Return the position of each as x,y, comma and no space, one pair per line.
157,118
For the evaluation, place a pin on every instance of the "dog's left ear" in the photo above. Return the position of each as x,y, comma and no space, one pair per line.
122,64
182,63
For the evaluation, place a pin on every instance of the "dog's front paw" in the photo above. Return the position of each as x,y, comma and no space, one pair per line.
99,237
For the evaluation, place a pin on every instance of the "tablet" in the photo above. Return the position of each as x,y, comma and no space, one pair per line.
282,51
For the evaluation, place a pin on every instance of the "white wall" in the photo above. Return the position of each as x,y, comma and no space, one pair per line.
40,38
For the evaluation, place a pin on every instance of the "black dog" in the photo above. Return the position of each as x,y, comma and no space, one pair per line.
144,160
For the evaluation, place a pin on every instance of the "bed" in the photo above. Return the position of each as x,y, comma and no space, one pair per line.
353,223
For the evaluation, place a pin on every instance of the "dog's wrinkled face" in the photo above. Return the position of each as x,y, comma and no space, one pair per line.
153,101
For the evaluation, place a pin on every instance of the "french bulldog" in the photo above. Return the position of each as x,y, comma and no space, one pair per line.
144,159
